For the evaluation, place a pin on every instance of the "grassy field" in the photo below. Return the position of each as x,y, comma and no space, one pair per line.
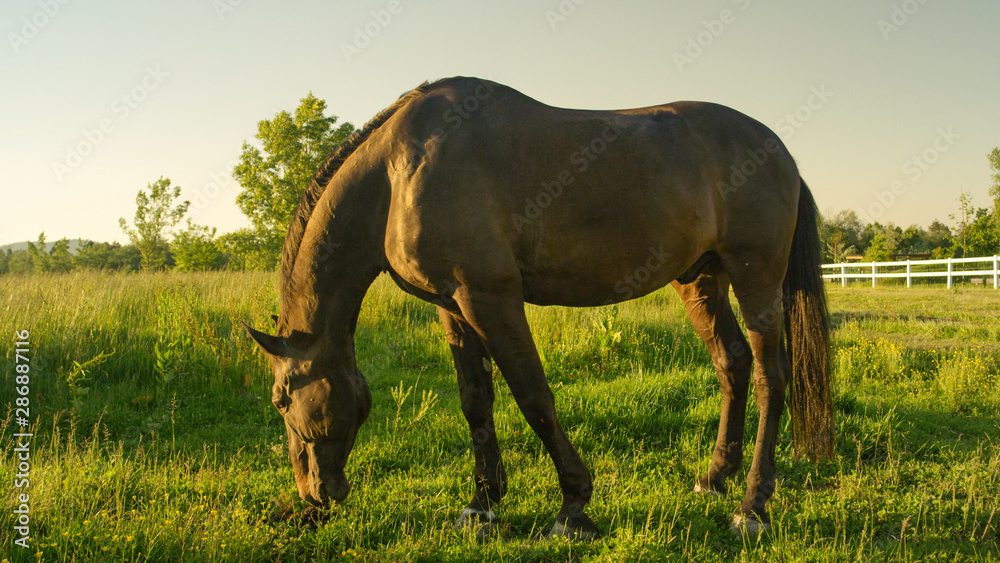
154,438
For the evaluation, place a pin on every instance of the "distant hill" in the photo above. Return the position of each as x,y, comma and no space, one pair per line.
15,246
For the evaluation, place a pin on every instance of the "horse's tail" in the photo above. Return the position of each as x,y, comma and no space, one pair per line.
808,337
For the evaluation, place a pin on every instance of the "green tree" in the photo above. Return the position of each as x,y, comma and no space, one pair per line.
125,258
5,255
92,255
966,212
884,242
40,259
994,158
60,259
244,250
938,236
21,262
880,249
194,249
156,213
274,175
982,237
913,240
837,252
841,235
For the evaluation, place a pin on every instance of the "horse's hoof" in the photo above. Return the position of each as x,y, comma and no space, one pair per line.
708,491
483,524
574,528
743,524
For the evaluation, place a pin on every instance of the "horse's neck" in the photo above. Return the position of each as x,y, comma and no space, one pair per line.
341,254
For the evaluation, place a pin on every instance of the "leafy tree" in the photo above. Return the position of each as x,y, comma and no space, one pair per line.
194,249
879,249
981,236
5,260
884,243
92,255
841,235
40,259
60,260
938,236
274,176
244,250
913,241
966,211
836,252
994,158
125,258
55,259
155,215
21,262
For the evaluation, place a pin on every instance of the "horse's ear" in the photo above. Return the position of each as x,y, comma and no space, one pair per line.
273,345
275,319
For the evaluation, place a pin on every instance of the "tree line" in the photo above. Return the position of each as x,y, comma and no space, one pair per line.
290,146
272,177
976,231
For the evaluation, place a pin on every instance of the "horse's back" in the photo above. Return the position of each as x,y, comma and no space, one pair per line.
575,205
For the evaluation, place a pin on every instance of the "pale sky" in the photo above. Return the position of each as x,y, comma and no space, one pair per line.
856,89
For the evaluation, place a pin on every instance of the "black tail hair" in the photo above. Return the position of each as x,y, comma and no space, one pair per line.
808,338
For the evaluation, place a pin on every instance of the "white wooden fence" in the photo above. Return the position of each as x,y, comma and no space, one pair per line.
915,269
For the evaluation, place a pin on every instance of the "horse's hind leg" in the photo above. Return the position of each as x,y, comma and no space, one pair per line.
475,386
500,320
707,302
763,316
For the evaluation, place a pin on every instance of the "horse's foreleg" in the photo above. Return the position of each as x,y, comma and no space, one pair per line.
707,303
500,320
475,385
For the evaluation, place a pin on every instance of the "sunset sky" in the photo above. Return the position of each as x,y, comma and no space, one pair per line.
100,98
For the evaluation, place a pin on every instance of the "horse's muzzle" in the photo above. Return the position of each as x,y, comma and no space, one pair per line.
323,492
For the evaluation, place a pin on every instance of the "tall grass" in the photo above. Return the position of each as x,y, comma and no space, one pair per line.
154,437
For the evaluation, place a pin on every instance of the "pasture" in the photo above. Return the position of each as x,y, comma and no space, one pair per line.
154,437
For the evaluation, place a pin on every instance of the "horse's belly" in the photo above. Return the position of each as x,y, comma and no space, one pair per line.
603,278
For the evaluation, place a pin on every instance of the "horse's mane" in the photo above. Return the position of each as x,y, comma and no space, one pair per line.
319,181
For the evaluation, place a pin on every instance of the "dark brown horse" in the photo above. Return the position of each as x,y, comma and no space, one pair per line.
477,198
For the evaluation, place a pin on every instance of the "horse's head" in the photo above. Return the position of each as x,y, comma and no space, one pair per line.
324,400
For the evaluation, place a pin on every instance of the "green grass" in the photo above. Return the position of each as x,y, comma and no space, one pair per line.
155,440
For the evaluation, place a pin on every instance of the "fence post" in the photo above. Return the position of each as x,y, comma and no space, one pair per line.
996,272
873,274
908,272
843,275
949,273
